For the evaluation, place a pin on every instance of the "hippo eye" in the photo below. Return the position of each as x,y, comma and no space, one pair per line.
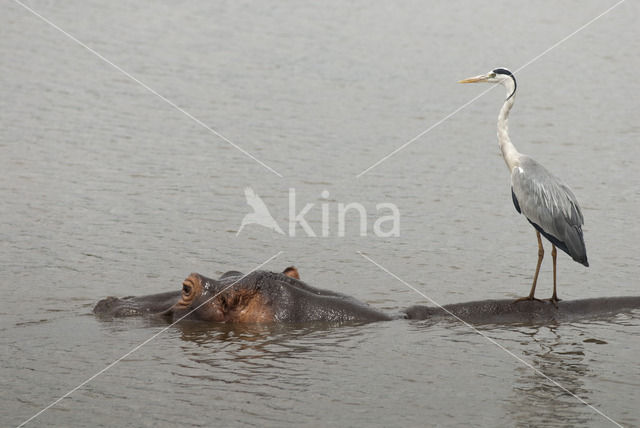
186,289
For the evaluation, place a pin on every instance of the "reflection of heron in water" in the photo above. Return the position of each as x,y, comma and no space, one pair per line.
560,353
260,214
548,203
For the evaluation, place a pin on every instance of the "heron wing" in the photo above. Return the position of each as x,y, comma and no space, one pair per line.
550,206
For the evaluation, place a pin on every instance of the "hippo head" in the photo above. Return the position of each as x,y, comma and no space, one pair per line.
258,297
230,299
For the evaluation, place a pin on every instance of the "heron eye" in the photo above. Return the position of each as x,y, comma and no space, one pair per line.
492,75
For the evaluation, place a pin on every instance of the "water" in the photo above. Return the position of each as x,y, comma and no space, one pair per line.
108,190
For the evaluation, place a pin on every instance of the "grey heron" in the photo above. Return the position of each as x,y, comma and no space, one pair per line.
548,203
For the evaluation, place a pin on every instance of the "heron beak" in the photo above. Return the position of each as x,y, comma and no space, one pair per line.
481,78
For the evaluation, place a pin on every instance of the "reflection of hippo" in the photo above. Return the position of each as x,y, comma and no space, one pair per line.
275,297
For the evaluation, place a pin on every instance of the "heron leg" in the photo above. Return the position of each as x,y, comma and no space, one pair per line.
535,277
554,299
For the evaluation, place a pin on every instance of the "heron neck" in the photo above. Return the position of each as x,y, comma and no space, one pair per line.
509,153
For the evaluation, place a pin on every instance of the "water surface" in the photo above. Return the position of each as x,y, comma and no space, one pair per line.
108,190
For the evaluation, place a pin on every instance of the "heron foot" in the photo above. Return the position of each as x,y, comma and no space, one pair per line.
554,299
522,299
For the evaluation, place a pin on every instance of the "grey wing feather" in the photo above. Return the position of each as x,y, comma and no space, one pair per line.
550,205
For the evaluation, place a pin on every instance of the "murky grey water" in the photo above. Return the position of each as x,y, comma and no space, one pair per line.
107,190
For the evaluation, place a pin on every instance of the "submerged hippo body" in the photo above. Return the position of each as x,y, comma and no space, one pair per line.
263,297
527,311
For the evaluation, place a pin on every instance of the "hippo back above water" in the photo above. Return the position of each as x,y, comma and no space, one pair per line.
267,297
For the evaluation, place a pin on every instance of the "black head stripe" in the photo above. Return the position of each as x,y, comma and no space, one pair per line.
503,71
508,73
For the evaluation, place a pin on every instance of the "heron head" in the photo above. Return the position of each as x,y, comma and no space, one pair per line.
497,75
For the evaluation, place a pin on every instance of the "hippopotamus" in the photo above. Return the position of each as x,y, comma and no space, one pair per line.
268,297
258,297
